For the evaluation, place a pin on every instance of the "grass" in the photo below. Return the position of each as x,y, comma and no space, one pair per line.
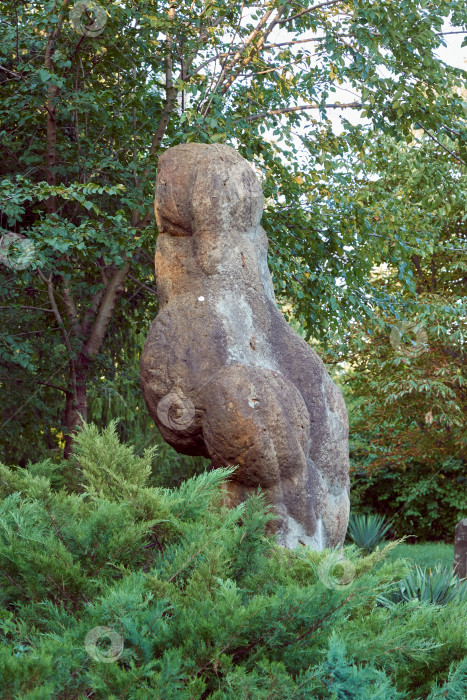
425,554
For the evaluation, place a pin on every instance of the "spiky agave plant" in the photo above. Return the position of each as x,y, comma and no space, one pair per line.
438,586
367,530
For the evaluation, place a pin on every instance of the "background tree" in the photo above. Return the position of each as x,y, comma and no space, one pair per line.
86,113
406,380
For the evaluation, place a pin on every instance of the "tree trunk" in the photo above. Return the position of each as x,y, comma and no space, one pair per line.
101,310
76,409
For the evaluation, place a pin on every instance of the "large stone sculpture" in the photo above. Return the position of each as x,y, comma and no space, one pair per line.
222,373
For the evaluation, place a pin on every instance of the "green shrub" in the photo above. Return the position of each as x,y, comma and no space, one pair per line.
197,601
367,530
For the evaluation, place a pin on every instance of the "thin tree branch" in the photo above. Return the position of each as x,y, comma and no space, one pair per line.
251,37
170,102
50,290
141,284
28,400
52,94
274,69
41,332
92,311
202,38
70,307
54,386
296,41
257,48
300,108
265,47
433,138
58,316
12,580
104,314
16,76
461,31
311,9
170,92
32,308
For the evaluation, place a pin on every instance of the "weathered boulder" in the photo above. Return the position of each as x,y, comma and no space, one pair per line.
460,549
222,373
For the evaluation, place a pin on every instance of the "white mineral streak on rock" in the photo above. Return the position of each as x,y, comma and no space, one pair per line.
293,534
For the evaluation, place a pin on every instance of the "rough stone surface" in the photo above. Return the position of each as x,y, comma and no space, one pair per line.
222,373
460,549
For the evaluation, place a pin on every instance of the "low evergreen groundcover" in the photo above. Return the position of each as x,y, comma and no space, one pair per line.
112,588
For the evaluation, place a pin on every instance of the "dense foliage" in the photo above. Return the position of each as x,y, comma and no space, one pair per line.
85,114
406,380
196,600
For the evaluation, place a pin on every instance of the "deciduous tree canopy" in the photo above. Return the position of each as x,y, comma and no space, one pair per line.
87,108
